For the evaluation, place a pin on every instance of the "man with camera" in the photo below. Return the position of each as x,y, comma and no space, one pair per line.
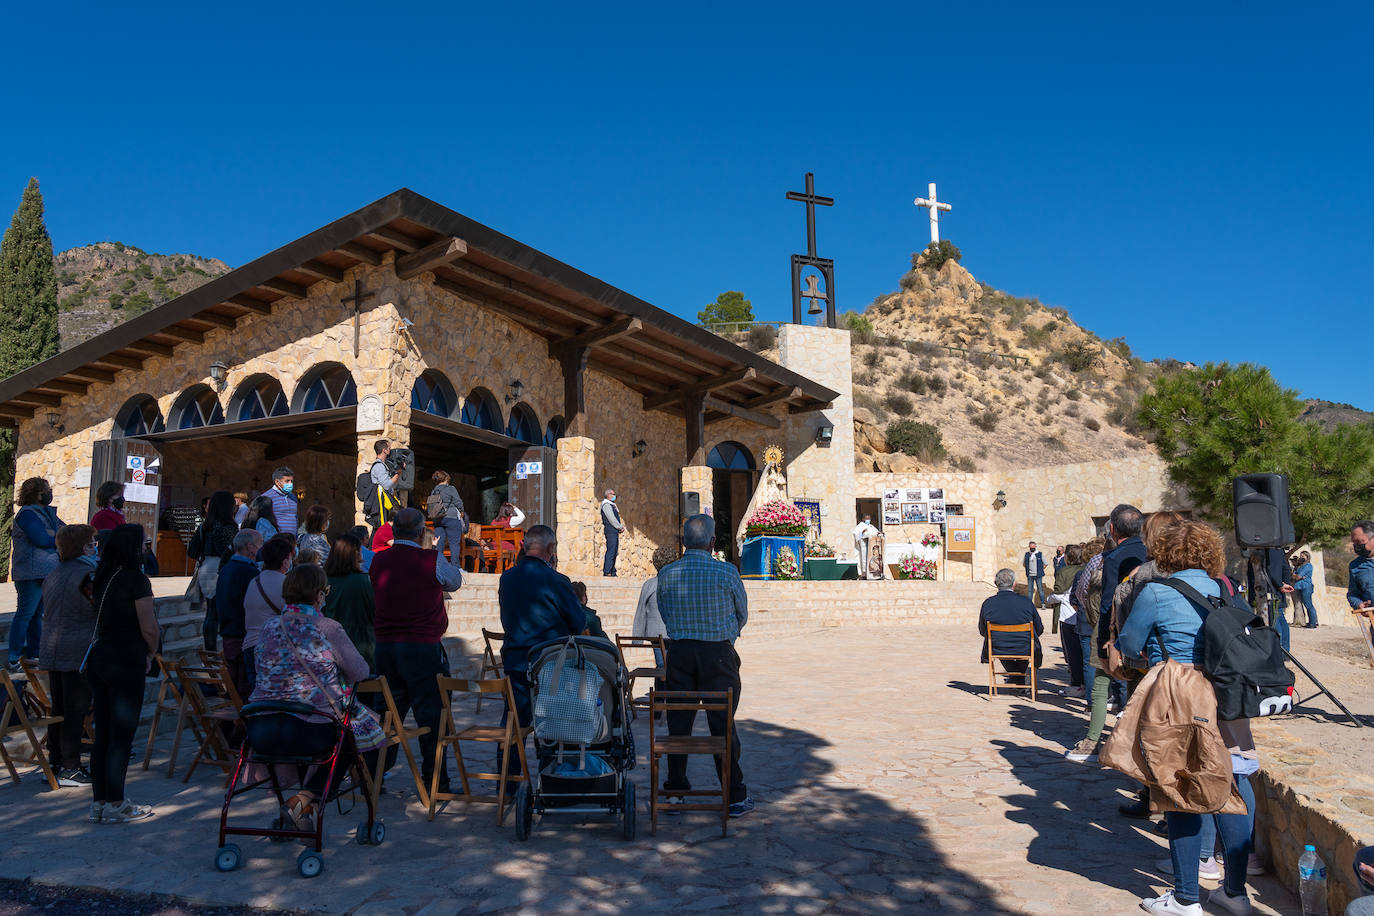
385,480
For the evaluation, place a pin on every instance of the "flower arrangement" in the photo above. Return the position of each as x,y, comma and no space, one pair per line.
718,555
931,539
785,565
776,518
819,549
913,567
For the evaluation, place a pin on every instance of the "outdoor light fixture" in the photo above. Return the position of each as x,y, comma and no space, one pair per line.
54,422
1001,501
516,388
405,324
640,448
825,435
219,374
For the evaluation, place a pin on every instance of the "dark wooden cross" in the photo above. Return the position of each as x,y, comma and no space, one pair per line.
811,200
358,298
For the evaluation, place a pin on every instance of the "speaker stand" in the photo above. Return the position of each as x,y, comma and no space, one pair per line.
1322,690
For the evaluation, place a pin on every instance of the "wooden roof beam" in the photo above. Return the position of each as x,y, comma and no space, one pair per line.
215,319
248,302
663,352
734,410
704,386
810,408
39,400
119,362
369,256
190,335
431,256
772,397
285,287
16,411
322,270
150,348
92,374
396,239
514,313
316,435
497,281
599,336
637,382
64,387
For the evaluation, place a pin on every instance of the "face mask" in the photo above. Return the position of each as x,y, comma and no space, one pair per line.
611,498
45,498
288,486
117,502
1362,550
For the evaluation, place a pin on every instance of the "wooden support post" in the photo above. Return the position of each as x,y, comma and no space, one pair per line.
694,408
574,362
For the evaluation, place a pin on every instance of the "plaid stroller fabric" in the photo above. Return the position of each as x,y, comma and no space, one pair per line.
568,708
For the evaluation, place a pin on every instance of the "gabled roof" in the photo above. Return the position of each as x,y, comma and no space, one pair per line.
653,352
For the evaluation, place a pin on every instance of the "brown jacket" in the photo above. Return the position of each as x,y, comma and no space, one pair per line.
1169,740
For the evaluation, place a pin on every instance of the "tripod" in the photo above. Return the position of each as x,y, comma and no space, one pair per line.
1322,689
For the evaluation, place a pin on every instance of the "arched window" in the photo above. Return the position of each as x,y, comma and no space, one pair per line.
432,393
730,456
197,407
139,417
523,425
480,410
258,397
557,429
325,387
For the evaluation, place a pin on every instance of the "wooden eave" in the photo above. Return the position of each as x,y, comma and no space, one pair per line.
662,355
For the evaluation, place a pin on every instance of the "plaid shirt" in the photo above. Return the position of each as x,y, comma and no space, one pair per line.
702,598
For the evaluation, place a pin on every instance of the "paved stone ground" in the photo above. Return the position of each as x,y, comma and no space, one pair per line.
887,782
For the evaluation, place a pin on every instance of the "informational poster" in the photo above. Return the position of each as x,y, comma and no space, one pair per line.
961,532
935,493
937,516
914,513
913,495
892,516
892,496
811,510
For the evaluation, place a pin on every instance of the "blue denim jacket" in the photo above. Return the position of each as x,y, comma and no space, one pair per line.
1361,586
1163,617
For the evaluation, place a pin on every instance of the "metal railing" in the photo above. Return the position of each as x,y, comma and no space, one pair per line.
735,327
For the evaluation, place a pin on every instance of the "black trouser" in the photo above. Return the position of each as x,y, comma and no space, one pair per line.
697,665
612,551
209,630
286,735
71,699
115,674
410,669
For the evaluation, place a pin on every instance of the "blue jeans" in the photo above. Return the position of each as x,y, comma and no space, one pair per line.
1281,624
1035,589
450,530
1306,596
27,626
1087,643
1186,845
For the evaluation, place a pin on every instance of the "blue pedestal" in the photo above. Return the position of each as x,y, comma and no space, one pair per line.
759,554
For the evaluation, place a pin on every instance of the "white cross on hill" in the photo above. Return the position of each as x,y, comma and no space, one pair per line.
935,207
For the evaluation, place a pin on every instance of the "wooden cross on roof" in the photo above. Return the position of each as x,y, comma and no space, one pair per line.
358,298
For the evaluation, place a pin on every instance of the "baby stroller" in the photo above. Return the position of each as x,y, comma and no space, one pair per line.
582,741
259,718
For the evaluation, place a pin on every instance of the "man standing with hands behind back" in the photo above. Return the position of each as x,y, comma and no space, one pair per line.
284,499
1034,563
613,525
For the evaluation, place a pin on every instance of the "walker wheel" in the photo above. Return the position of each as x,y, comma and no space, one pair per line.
229,857
628,814
309,863
524,812
372,837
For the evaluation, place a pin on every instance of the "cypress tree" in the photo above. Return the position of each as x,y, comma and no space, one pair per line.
28,323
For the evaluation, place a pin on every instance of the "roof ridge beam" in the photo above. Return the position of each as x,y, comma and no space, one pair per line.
431,256
703,387
598,336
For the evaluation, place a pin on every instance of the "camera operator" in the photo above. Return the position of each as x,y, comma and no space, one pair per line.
384,478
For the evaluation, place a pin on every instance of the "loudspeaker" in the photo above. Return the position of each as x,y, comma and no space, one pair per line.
691,504
1264,516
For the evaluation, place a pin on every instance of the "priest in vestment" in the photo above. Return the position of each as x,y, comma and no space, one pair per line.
867,541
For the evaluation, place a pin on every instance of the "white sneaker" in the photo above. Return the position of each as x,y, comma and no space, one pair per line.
1168,906
1084,751
127,811
1238,905
1206,868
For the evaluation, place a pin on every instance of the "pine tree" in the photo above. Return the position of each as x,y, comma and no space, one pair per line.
28,323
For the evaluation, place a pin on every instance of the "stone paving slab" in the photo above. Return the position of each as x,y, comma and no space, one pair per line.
887,782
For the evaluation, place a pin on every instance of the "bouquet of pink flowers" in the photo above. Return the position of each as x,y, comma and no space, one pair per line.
778,518
931,539
785,565
913,567
819,549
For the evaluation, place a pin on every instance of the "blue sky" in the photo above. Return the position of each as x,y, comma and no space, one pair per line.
1194,177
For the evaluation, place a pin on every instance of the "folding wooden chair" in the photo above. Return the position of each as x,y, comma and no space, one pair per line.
470,554
510,738
660,745
210,658
1003,679
492,666
39,686
659,646
16,720
170,701
396,733
215,709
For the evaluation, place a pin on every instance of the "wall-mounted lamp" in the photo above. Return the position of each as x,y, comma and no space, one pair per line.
405,324
1000,502
517,387
825,435
640,448
55,422
219,374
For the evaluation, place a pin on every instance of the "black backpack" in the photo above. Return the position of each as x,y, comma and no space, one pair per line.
1241,655
367,492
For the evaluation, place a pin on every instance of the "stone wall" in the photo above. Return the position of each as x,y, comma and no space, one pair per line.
699,479
819,472
576,507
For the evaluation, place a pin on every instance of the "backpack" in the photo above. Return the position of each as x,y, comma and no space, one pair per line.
1241,656
367,493
434,507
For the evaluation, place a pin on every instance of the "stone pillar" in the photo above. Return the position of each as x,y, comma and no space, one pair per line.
699,479
577,507
820,472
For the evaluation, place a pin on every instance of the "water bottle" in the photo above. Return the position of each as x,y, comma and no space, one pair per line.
1312,883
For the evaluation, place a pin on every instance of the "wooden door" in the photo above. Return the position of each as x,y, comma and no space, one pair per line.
532,484
138,464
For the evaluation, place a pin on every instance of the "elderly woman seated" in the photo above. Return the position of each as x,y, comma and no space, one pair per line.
305,657
1006,608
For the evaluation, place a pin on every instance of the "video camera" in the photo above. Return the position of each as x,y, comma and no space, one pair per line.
402,460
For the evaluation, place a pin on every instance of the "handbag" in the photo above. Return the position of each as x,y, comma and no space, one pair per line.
568,708
95,630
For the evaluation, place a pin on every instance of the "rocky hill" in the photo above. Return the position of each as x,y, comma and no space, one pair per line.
1330,414
102,285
